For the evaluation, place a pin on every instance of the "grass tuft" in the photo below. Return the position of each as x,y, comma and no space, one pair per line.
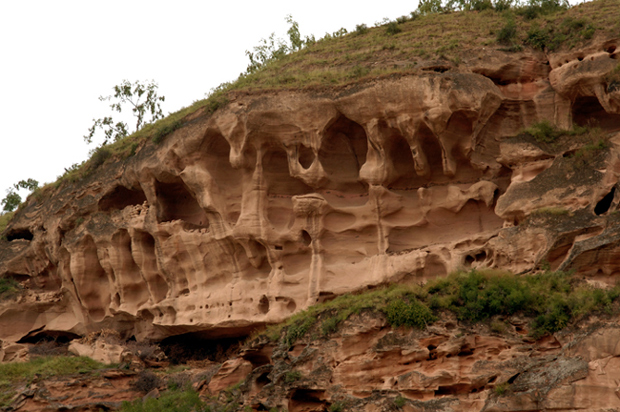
551,299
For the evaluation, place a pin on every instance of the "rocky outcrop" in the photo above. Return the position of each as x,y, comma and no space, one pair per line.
280,200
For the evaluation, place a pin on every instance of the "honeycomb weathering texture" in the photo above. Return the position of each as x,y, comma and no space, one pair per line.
281,200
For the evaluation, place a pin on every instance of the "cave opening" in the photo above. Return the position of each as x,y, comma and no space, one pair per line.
196,346
343,150
587,111
605,203
15,234
121,197
177,203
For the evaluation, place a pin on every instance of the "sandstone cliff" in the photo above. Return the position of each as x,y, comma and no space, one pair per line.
282,199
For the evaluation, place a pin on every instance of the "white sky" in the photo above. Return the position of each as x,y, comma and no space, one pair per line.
57,58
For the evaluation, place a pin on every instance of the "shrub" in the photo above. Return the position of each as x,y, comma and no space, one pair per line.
100,155
508,33
399,401
501,389
543,132
292,376
47,366
392,28
361,29
9,287
336,407
412,313
170,401
537,37
146,381
5,219
502,5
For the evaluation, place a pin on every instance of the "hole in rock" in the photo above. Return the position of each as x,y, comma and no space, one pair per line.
610,49
281,186
399,153
277,175
215,157
146,259
615,56
343,150
513,378
120,198
456,389
92,282
127,271
307,400
306,238
580,58
263,305
492,379
587,111
201,346
15,234
258,358
60,337
277,247
605,203
306,156
262,380
177,203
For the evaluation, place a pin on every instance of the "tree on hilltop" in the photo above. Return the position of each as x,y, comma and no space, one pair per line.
143,100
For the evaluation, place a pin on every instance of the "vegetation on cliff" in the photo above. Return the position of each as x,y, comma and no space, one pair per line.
552,300
17,373
435,36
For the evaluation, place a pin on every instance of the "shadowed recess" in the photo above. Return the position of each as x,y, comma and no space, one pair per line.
15,234
177,203
92,282
146,259
127,272
343,150
121,197
587,111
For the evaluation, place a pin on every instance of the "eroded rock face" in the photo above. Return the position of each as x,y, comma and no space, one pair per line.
280,200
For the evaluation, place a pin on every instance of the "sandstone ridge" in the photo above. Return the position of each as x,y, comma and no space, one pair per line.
280,200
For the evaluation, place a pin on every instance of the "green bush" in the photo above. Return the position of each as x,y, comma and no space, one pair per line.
393,28
411,313
47,366
100,155
361,29
543,132
508,33
9,287
292,376
170,401
5,219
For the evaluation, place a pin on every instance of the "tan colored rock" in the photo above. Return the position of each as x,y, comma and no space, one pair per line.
230,373
279,200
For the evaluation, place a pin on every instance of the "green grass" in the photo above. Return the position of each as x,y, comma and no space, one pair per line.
5,219
48,366
9,287
15,373
169,401
551,299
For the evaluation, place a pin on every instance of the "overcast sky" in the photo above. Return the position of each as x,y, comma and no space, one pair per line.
57,57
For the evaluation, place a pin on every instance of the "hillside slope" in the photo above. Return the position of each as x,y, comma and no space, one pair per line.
346,166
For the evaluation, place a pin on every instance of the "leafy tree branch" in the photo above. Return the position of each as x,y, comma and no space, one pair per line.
142,99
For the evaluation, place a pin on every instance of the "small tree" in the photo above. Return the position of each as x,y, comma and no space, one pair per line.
143,101
13,199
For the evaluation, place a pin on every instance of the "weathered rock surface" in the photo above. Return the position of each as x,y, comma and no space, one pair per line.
280,200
